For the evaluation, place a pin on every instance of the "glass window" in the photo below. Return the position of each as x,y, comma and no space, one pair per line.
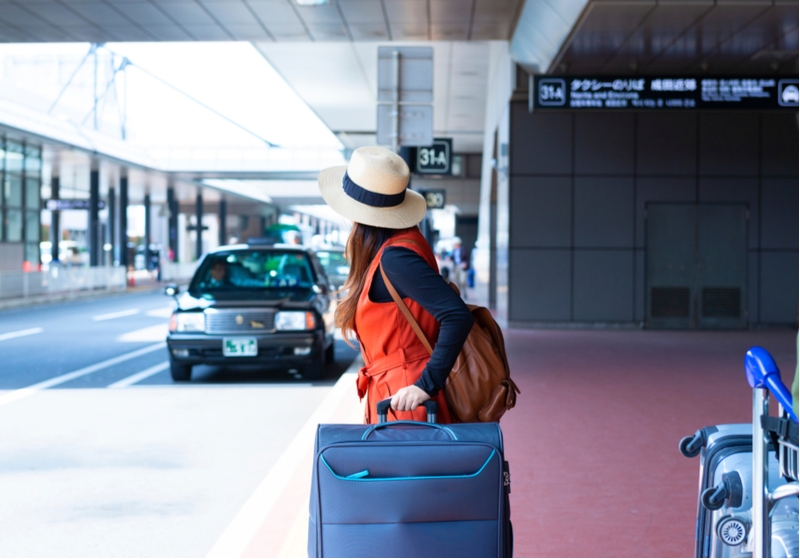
13,225
32,226
32,253
13,156
32,190
13,190
33,159
253,270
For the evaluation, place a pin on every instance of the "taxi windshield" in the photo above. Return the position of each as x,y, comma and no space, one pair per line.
253,270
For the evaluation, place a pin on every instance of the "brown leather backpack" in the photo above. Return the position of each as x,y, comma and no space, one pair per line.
479,387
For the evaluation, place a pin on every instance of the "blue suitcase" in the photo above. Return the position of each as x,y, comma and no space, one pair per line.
410,489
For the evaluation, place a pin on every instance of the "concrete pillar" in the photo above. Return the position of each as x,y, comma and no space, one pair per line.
55,219
94,219
223,210
172,209
148,227
112,224
198,246
123,221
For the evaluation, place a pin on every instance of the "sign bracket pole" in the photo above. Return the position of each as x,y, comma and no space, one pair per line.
396,102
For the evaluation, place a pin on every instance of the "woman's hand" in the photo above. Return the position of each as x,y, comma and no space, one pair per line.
408,398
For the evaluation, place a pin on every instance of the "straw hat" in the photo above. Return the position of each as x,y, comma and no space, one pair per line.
372,189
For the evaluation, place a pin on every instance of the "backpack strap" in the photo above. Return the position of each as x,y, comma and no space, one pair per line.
406,312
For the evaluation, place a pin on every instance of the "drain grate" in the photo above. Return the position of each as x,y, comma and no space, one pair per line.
669,302
722,302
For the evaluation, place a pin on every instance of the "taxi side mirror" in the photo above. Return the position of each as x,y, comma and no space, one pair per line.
172,290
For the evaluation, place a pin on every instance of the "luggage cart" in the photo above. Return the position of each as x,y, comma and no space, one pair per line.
772,510
748,497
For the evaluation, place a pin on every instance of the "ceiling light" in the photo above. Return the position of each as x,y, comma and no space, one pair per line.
311,2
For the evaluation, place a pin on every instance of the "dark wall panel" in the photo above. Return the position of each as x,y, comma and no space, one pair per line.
666,144
734,190
604,212
541,143
779,144
752,286
639,282
779,223
541,212
540,285
604,143
660,189
779,282
728,143
603,285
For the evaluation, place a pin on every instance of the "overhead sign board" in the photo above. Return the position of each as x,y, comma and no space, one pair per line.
415,72
405,96
70,204
597,93
435,158
415,125
435,199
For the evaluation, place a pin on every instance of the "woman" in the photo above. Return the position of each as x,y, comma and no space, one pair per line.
372,193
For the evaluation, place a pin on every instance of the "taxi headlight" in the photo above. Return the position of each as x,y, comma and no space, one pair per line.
294,320
190,322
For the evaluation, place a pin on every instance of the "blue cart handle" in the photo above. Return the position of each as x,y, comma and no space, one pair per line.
763,372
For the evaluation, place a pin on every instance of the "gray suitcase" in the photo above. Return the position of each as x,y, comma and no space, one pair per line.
409,489
724,514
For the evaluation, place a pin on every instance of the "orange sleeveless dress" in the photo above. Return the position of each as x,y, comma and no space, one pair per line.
393,355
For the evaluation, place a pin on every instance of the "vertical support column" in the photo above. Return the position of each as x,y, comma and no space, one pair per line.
94,218
172,208
223,210
123,221
55,219
148,226
112,224
198,246
263,223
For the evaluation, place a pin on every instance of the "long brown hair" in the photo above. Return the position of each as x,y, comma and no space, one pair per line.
362,247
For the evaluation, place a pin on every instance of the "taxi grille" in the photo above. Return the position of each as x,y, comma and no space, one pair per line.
239,321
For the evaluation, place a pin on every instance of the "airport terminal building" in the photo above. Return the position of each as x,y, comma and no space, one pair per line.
620,165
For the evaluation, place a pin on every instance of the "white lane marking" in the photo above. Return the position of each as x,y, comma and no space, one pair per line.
133,379
155,333
240,532
113,315
165,312
20,393
20,333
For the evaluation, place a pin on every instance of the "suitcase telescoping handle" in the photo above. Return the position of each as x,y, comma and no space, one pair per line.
384,405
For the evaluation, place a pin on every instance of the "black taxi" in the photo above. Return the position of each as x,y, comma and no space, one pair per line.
250,304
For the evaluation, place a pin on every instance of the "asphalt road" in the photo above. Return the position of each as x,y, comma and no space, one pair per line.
41,343
101,454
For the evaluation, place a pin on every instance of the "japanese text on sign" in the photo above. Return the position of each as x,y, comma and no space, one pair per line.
664,93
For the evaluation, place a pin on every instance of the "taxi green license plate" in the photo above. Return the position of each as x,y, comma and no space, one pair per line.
239,347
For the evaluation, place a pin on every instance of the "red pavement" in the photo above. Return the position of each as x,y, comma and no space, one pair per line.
593,441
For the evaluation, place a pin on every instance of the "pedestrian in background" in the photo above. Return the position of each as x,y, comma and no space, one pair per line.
387,253
460,257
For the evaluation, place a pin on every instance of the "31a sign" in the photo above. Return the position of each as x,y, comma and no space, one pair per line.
435,159
435,199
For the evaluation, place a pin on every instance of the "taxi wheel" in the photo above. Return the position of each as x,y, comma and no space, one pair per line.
315,370
330,353
179,372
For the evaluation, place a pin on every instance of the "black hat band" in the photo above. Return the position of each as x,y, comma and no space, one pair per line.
369,198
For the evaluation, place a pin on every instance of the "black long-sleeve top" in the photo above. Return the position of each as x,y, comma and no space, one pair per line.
413,278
